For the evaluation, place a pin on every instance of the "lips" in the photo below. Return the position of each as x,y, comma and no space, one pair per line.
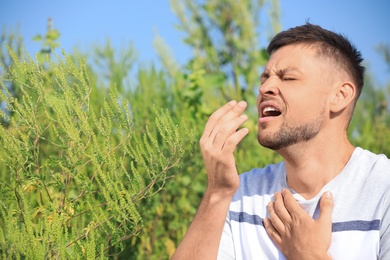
269,109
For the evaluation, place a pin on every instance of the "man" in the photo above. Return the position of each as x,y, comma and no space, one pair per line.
328,199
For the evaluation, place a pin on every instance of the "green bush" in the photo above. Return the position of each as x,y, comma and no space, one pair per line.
72,179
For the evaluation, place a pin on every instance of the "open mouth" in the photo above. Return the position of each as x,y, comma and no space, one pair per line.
269,111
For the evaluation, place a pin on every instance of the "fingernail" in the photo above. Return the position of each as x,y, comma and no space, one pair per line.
242,104
328,195
245,117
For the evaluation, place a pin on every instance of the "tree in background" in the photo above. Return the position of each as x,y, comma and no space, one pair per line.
49,41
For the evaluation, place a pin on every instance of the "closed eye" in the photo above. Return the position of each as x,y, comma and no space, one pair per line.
289,78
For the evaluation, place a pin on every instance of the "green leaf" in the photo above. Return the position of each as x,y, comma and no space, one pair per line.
37,38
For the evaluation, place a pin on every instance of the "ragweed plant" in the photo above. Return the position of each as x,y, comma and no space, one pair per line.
70,178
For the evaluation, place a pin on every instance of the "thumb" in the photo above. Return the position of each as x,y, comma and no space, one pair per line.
326,207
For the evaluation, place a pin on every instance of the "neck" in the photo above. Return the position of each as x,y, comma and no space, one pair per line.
311,165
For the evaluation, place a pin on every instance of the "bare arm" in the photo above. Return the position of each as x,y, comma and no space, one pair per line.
218,142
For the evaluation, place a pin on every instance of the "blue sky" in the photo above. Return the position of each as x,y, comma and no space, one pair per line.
84,23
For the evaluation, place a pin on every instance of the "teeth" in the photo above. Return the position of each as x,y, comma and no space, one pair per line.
267,109
270,111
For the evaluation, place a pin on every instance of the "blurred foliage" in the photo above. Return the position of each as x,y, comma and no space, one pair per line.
71,178
114,66
99,158
49,41
385,51
14,41
224,37
370,126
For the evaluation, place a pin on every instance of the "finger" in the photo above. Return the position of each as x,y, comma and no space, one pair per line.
280,208
225,122
272,232
232,142
293,207
326,208
227,134
215,117
277,223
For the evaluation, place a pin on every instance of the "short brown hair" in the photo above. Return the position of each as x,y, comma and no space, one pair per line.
330,44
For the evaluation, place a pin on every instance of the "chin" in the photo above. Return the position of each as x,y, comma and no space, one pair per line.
267,141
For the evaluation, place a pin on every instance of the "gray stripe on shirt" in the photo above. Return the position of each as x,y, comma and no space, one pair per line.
355,225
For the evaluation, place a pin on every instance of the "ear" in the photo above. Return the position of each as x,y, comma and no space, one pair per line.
344,95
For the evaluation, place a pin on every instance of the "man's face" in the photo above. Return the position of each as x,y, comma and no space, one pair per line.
292,100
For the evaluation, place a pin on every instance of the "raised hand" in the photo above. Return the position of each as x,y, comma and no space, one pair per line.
218,142
295,232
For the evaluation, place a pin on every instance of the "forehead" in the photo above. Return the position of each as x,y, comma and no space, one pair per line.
300,57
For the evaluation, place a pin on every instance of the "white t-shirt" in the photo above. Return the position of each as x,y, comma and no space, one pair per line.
360,216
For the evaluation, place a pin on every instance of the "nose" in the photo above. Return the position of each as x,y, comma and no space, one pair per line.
269,87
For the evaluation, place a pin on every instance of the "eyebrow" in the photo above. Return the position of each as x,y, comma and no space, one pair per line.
266,73
288,69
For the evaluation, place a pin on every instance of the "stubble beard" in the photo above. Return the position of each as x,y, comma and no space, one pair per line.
289,135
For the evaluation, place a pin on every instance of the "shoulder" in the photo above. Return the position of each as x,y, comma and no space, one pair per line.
371,162
373,157
373,170
259,181
268,172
